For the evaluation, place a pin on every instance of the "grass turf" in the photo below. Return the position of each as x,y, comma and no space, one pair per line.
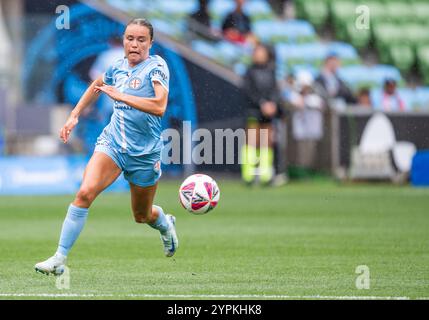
301,240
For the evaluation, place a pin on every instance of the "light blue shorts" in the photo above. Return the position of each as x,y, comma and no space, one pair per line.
142,171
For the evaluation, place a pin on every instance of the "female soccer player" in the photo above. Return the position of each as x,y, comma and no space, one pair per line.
131,143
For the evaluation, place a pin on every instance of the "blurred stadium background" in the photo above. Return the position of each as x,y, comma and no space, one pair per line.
45,69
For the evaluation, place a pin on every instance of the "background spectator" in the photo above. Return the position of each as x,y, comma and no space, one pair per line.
199,22
307,120
202,15
261,87
391,101
237,25
363,98
282,7
329,85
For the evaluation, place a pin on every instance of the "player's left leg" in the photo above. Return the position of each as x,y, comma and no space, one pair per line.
145,212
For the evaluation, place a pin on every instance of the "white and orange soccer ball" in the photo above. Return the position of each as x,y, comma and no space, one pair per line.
199,194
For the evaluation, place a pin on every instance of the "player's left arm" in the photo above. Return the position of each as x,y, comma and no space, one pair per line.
155,105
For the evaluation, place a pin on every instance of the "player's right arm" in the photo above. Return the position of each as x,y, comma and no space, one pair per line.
88,98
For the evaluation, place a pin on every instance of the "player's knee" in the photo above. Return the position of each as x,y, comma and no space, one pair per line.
85,195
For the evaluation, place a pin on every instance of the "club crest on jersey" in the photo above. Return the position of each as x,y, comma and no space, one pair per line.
135,83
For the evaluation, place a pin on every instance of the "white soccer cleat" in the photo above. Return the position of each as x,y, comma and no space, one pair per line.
169,238
54,265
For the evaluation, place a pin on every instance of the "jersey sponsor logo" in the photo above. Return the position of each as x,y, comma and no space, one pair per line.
159,73
121,106
135,83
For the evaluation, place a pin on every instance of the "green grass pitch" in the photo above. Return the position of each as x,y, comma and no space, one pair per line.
302,240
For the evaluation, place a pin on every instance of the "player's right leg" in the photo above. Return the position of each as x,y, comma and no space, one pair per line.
100,173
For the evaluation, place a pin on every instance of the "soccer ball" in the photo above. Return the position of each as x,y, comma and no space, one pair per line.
199,194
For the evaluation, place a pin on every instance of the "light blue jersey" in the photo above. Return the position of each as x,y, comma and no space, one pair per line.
130,130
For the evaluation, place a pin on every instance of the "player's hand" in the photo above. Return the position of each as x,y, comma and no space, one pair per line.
111,91
268,109
68,128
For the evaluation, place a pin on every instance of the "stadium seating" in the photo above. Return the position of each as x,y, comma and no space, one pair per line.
342,12
315,11
423,61
398,30
256,9
205,48
223,52
421,10
402,56
415,99
276,31
359,38
422,98
177,9
314,53
130,5
357,76
176,29
399,11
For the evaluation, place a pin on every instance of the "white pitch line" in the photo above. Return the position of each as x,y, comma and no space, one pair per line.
209,296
